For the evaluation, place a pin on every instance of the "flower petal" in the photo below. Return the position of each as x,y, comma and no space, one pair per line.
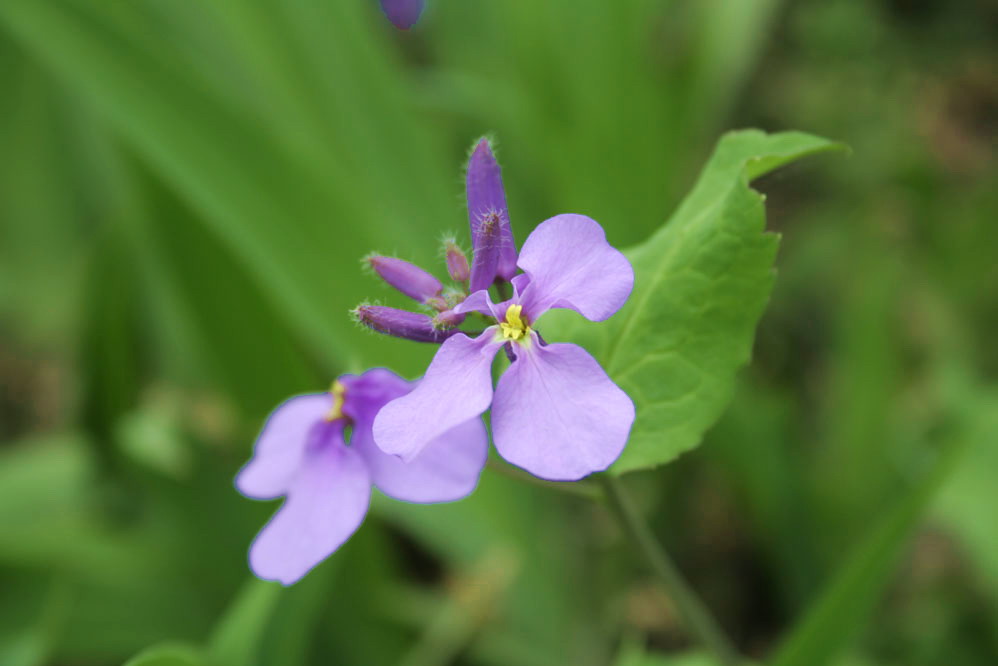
281,445
480,301
402,13
456,388
571,265
367,393
446,470
326,503
557,415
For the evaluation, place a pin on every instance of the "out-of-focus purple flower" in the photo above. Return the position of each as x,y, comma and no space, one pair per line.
555,412
303,454
491,234
402,13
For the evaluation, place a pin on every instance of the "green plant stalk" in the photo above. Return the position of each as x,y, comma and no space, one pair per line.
695,614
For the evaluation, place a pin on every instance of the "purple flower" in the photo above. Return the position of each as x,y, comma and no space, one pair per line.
403,13
303,454
555,412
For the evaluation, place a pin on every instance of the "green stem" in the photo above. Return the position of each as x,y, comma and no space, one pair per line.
698,619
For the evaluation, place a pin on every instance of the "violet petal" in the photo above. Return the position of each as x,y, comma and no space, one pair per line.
457,387
280,446
326,503
558,415
367,393
479,301
446,470
571,265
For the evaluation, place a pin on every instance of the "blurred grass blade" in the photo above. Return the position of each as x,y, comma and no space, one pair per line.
281,203
168,654
34,644
236,639
846,603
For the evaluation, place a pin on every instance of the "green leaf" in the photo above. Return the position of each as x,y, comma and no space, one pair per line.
168,654
701,284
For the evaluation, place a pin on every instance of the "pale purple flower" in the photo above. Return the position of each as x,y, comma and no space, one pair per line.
402,13
317,450
555,412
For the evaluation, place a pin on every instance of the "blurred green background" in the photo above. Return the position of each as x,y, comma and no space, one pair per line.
186,190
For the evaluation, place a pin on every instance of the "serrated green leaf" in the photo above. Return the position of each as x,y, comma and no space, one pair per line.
701,283
169,654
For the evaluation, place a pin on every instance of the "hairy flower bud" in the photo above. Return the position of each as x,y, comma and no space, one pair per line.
448,319
457,262
408,278
491,234
401,323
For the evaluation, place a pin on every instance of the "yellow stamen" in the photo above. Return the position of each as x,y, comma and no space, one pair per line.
514,328
339,392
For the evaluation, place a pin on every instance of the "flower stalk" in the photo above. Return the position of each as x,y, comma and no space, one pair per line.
695,614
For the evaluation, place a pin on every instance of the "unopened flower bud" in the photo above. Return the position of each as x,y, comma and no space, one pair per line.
488,215
401,323
487,248
457,262
408,278
448,319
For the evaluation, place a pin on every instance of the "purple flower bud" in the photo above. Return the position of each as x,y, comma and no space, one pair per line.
491,234
449,319
438,303
457,262
408,278
402,13
486,259
401,323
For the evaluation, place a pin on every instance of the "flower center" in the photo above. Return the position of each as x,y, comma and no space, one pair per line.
514,328
339,392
